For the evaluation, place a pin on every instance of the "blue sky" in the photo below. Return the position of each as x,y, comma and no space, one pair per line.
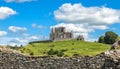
22,21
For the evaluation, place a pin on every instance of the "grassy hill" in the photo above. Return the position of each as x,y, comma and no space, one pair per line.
68,48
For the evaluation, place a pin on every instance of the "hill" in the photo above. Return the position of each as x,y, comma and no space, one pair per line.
64,48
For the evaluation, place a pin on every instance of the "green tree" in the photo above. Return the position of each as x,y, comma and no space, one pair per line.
110,37
101,39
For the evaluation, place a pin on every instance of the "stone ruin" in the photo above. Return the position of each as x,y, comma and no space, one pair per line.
60,33
4,49
80,37
115,45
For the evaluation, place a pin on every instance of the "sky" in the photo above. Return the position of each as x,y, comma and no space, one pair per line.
23,21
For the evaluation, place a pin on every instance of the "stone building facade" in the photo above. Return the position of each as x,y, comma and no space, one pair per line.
60,33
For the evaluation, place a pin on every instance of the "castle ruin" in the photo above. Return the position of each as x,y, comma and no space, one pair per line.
60,33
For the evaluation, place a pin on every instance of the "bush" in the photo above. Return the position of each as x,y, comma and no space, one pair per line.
66,56
51,52
76,54
63,50
56,52
21,51
31,53
60,54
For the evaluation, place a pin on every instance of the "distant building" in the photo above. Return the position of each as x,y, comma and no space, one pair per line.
80,37
60,33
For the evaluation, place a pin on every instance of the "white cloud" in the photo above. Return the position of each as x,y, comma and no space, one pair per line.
3,33
17,29
13,41
77,13
34,38
20,40
75,27
81,19
18,1
6,12
38,26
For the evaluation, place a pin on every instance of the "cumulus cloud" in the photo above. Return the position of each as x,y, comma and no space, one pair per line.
20,40
18,1
34,38
77,13
6,12
83,20
17,29
13,41
3,33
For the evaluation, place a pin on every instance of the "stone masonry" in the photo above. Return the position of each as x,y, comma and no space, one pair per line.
105,60
60,33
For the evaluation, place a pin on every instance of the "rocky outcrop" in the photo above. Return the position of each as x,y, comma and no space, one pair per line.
105,60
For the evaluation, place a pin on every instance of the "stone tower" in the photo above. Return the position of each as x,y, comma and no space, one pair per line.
60,33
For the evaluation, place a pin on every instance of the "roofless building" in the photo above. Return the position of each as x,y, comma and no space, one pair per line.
60,33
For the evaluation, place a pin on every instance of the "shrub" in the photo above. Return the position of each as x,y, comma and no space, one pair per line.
55,52
31,53
21,51
63,50
76,54
60,54
51,52
66,56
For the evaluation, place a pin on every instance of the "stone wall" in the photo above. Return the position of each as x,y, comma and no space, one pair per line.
11,60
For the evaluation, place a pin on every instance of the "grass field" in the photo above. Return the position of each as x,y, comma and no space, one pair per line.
71,47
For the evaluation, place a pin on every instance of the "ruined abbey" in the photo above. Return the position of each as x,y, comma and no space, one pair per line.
60,33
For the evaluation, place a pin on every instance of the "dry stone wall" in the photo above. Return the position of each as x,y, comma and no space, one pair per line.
11,60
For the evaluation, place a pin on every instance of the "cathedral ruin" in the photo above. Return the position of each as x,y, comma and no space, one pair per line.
60,33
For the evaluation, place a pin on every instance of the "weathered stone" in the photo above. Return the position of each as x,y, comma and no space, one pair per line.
60,33
106,60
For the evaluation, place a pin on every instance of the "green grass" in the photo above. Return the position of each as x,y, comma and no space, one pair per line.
71,46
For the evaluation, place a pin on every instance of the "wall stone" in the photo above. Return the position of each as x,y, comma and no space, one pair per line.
105,60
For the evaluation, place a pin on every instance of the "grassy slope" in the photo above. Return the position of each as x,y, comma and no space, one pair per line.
72,46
